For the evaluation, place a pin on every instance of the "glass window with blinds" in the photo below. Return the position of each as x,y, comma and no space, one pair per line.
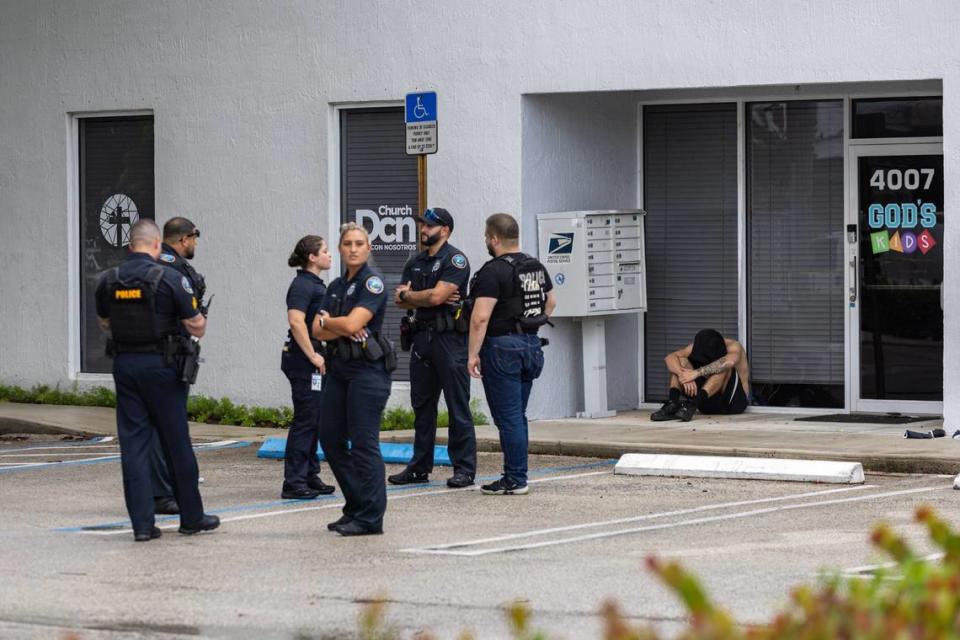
690,196
795,232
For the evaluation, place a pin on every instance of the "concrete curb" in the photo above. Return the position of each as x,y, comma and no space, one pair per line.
17,425
793,470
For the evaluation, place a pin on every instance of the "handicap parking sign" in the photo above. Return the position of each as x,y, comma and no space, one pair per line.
420,115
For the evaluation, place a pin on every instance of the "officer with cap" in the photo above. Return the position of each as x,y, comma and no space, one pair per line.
180,238
145,306
432,284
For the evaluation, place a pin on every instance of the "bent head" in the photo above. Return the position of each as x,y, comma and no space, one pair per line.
354,245
708,346
145,238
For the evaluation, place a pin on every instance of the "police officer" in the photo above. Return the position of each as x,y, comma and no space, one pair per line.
357,385
512,297
180,238
302,363
433,283
144,306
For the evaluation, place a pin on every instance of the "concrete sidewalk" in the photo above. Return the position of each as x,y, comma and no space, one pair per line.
877,447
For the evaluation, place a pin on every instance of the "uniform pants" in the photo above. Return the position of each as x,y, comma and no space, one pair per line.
159,474
152,400
438,362
509,365
300,461
353,399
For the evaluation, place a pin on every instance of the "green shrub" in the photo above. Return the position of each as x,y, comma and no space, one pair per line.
209,410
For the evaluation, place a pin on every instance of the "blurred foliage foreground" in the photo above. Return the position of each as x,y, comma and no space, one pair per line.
912,599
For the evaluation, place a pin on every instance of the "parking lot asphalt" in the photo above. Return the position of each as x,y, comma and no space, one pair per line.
450,560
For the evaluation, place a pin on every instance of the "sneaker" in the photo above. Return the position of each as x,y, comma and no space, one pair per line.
317,484
504,487
688,408
459,481
409,477
667,412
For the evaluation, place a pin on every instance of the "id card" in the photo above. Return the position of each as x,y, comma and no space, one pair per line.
316,382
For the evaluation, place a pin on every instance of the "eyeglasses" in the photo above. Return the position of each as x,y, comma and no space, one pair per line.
194,234
431,218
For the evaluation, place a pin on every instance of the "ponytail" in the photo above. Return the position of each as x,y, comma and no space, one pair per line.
307,246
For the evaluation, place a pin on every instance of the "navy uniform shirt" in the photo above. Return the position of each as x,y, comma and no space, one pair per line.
366,289
174,300
170,257
495,280
424,271
305,294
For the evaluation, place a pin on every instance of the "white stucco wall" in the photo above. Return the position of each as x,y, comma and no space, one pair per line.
242,95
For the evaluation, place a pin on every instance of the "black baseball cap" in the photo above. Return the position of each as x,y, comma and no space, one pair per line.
437,216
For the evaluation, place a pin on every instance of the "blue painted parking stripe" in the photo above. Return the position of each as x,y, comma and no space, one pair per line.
392,452
286,503
110,458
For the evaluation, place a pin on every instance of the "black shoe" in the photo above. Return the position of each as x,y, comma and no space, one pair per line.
688,408
319,485
354,528
333,526
147,536
303,493
667,412
207,523
504,487
459,481
409,477
165,506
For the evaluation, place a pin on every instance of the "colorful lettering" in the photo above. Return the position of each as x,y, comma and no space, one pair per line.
909,240
879,242
895,244
926,241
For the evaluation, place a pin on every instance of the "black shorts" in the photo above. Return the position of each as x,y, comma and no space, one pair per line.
731,400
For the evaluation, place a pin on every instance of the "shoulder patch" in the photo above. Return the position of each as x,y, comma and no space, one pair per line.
166,257
459,261
374,285
185,283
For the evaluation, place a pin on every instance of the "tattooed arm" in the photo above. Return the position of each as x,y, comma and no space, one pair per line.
729,361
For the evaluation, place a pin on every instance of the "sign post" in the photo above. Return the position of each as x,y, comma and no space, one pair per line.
420,115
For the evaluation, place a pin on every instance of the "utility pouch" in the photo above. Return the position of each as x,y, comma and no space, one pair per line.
111,349
190,362
461,318
389,354
406,333
371,349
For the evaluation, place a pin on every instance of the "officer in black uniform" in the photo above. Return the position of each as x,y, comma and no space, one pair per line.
145,306
303,365
180,238
433,283
357,385
512,296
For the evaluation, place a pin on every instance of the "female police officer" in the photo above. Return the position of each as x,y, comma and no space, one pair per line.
302,365
357,384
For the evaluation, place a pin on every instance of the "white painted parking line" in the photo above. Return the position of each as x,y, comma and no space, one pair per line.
98,442
867,570
56,454
451,549
337,505
648,516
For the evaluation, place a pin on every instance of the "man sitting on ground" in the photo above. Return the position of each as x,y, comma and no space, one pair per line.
710,375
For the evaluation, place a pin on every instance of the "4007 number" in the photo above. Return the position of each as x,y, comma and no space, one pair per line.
895,179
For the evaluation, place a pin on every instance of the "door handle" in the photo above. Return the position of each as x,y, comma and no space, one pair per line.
853,279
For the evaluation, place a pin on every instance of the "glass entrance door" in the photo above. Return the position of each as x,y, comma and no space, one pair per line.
896,273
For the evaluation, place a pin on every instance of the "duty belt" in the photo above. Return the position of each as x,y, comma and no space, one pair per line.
139,347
